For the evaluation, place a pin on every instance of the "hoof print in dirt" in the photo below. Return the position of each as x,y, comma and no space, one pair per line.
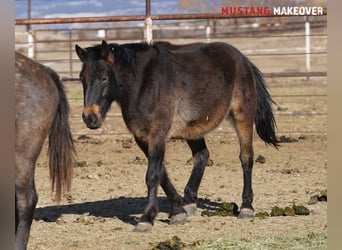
174,243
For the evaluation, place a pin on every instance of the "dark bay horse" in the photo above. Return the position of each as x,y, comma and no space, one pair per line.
181,92
41,109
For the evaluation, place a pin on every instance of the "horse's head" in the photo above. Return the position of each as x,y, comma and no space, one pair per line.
99,83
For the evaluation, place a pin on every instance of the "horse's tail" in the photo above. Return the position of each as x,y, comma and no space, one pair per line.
264,120
61,149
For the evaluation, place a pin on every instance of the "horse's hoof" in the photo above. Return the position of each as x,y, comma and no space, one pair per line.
190,209
143,227
246,213
178,218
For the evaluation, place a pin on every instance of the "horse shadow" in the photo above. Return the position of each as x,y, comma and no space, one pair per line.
124,208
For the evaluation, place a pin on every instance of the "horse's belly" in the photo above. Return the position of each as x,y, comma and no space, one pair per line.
196,128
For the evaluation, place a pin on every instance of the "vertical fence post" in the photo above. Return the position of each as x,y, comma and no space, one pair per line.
148,23
30,41
307,45
208,30
28,26
148,30
70,53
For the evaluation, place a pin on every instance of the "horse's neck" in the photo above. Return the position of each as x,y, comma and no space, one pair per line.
129,91
130,74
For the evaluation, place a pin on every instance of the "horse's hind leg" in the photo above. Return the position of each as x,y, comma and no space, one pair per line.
200,156
244,129
25,202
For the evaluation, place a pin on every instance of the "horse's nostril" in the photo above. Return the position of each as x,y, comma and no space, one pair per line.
91,120
85,118
92,117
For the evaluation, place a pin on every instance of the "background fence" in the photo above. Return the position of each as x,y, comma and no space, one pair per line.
291,51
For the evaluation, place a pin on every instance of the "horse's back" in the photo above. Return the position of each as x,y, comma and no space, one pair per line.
219,63
238,74
36,100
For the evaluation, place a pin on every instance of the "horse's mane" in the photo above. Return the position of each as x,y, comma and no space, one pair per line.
124,54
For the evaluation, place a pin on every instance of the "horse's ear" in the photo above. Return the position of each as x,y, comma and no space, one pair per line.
106,52
81,53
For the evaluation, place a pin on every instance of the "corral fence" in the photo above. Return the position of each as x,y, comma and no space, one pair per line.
292,47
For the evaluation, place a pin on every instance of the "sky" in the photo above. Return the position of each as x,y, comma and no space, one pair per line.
81,8
86,8
93,8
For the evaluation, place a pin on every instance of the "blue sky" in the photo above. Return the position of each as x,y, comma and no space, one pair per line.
78,8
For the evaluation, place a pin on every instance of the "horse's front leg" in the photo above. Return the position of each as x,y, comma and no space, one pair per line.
153,177
177,214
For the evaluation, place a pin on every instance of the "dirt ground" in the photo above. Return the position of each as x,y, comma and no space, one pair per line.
109,192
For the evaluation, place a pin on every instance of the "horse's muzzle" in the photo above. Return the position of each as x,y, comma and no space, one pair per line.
92,121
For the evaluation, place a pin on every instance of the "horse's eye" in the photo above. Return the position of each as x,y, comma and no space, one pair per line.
104,79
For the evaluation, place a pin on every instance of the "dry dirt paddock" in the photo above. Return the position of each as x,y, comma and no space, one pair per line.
108,191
